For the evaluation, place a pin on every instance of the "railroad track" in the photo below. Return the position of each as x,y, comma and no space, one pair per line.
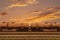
29,35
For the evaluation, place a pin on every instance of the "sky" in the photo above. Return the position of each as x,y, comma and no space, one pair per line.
30,11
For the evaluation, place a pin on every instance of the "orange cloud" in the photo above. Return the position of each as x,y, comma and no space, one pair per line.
31,1
22,4
40,19
17,5
47,14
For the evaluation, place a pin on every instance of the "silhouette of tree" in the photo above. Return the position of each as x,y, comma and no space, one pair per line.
12,22
46,22
54,22
3,13
3,22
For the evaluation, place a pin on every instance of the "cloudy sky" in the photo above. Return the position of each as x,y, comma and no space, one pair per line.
30,10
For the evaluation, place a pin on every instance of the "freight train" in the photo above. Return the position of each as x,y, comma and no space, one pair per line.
33,27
